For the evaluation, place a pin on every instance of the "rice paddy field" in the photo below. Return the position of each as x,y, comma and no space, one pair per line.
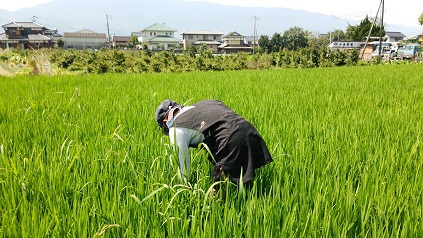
81,156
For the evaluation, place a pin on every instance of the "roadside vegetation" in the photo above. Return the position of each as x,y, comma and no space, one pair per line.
58,61
294,48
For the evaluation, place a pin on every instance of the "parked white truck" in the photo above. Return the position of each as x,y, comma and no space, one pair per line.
408,51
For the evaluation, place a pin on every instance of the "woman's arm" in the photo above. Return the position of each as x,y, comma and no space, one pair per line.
181,138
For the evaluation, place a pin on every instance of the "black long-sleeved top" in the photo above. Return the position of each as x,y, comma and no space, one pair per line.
235,143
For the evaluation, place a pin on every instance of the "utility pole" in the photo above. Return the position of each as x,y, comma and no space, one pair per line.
256,18
108,31
382,3
370,32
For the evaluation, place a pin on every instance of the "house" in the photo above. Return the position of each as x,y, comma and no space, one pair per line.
121,41
25,35
252,40
53,34
394,36
211,39
85,39
234,42
415,39
158,37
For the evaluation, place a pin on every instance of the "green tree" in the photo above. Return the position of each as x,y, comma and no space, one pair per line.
60,43
276,43
338,35
361,31
205,52
134,41
192,51
264,43
295,38
421,19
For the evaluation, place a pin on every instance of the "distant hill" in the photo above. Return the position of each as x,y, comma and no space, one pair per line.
126,16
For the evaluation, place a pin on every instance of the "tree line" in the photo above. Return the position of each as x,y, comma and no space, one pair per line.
295,48
296,38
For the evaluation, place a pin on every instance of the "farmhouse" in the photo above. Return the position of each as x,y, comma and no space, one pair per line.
25,35
394,36
211,39
121,41
85,39
234,42
158,37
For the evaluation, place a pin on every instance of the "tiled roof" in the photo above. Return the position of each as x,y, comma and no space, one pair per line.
394,34
233,33
167,39
227,46
84,34
23,24
206,42
158,27
35,37
121,38
31,37
202,32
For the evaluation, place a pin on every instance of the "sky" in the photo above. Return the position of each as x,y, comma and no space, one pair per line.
18,4
405,12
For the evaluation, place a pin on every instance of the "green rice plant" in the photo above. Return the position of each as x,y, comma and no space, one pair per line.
81,156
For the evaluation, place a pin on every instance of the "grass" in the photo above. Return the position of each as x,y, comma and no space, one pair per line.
81,156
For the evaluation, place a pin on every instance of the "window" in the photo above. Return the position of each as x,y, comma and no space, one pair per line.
204,37
190,37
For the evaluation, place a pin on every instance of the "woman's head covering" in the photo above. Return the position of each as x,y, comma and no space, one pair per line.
161,112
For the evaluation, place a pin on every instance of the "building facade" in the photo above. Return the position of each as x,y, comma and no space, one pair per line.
158,37
121,41
85,39
234,42
394,36
25,35
211,39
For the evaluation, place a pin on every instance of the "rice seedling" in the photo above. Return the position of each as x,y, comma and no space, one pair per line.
82,156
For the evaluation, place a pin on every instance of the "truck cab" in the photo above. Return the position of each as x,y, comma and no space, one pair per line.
408,51
388,51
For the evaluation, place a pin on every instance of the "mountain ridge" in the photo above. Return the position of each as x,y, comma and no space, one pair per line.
131,16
